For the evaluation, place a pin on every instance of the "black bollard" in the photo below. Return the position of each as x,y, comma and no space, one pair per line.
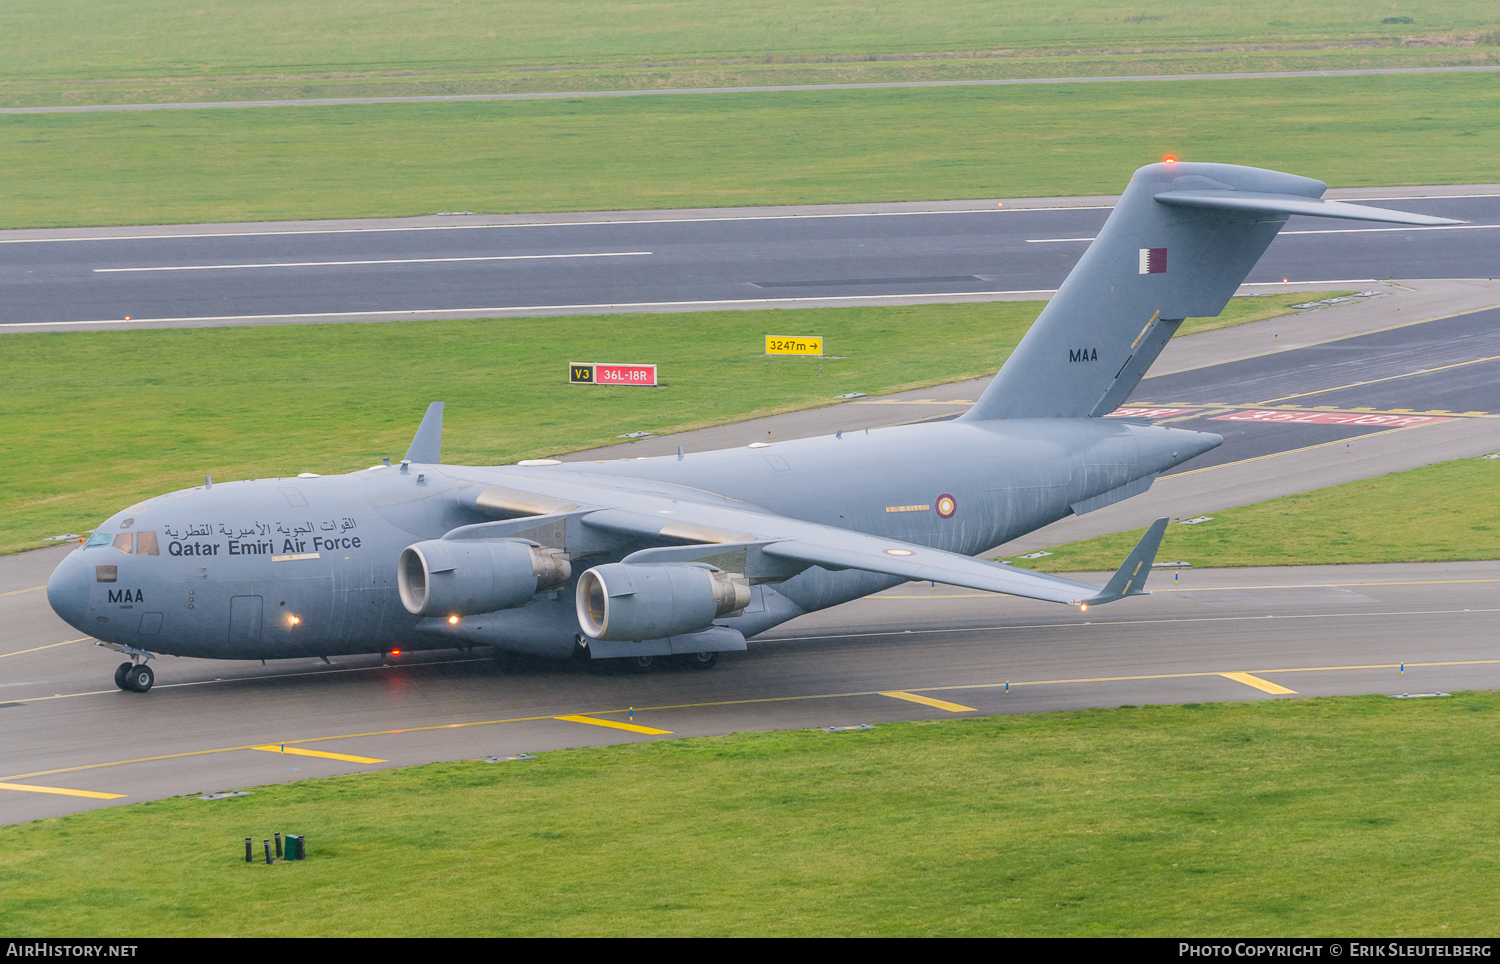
249,853
278,844
268,852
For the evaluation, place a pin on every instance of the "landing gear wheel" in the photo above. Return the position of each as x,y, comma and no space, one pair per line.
641,663
121,672
701,660
140,678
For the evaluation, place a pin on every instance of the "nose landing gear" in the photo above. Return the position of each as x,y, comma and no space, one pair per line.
134,679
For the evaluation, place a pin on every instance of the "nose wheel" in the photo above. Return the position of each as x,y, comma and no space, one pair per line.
134,679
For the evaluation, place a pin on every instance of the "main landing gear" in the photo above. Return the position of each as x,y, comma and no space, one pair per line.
694,660
134,679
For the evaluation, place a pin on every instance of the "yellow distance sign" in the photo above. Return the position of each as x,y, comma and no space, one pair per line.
794,344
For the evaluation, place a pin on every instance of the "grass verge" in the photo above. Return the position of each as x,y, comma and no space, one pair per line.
1355,815
103,419
141,51
1438,513
715,150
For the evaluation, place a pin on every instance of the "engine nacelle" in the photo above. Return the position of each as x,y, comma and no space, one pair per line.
461,577
630,602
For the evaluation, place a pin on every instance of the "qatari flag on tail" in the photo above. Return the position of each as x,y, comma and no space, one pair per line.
1153,261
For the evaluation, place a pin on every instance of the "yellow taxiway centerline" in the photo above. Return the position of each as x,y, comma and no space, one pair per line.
1326,341
17,592
1264,685
37,649
612,724
61,791
298,751
929,701
1305,448
1376,381
1012,684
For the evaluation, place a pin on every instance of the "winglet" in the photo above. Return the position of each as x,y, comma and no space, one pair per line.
1130,578
427,444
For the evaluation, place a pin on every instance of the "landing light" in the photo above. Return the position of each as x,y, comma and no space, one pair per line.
294,620
452,620
1083,607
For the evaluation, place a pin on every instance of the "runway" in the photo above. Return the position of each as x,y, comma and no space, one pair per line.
912,653
451,267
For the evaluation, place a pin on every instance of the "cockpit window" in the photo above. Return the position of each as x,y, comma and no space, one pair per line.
145,544
124,541
97,539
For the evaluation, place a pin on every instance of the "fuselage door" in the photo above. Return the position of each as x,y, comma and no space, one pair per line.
245,619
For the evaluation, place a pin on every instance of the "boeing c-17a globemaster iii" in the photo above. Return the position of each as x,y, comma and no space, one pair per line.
692,554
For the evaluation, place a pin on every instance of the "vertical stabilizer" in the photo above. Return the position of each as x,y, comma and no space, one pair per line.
1151,266
1182,239
427,444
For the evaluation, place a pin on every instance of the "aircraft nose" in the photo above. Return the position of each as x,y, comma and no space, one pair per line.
68,591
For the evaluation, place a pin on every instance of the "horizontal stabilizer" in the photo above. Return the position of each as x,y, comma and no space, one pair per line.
1250,202
1182,239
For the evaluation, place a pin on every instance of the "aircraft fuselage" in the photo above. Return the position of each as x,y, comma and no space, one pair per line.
278,568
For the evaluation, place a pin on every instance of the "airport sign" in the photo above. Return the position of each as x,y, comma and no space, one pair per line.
794,344
602,373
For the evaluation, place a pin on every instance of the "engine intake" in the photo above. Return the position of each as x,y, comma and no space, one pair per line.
631,602
463,577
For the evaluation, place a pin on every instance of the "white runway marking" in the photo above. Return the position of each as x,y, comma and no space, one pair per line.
420,313
275,232
1441,227
434,312
334,264
673,219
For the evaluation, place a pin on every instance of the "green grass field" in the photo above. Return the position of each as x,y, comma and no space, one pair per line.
1438,513
1357,816
141,51
720,149
102,419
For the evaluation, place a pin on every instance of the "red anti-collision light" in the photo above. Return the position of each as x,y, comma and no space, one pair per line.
1169,159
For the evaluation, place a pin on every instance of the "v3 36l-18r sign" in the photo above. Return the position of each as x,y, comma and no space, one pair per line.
600,373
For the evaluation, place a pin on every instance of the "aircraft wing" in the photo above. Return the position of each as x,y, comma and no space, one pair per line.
779,545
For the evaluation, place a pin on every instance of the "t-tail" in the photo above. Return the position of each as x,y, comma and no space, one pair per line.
1180,242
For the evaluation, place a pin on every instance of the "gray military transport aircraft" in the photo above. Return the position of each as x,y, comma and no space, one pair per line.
690,555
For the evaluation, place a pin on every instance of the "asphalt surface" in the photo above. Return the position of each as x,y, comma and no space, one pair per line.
553,95
1311,630
657,261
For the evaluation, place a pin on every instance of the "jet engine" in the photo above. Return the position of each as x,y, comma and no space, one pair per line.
632,602
462,577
